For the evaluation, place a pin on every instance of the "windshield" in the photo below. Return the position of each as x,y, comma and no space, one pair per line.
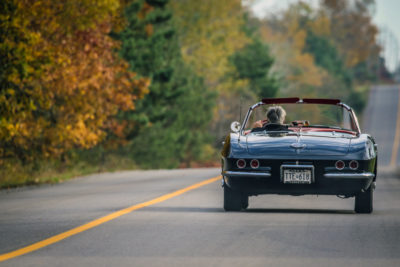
308,117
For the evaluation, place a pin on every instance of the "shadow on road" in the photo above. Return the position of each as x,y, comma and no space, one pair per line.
268,210
322,211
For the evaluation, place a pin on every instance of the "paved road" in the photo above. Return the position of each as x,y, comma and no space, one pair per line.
380,120
191,229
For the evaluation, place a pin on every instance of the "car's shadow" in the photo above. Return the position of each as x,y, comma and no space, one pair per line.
250,210
314,211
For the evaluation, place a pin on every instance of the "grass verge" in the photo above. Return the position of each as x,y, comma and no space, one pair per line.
14,173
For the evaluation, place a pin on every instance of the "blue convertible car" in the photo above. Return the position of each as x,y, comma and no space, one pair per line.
321,151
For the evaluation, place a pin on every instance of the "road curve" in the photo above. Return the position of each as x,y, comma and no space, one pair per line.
192,229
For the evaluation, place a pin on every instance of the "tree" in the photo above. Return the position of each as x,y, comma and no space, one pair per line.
173,117
253,62
286,37
210,32
327,57
60,80
352,29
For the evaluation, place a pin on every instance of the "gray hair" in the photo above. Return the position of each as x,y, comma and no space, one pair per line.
276,114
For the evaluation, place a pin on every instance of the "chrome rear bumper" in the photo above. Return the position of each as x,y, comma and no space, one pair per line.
246,174
364,175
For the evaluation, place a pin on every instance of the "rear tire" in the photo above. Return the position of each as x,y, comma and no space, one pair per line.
232,199
364,201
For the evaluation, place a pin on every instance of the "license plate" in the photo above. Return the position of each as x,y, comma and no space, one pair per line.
297,176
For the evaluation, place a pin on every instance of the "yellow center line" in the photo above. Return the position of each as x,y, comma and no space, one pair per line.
395,148
97,222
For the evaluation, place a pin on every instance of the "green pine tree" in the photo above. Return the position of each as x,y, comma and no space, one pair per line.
172,119
253,62
327,57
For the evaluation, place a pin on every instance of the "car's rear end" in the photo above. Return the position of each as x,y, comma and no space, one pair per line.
303,160
299,177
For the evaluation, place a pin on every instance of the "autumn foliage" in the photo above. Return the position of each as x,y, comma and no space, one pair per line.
61,79
157,82
328,51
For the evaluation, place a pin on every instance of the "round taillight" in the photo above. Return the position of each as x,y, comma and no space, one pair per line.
241,163
339,165
254,163
353,165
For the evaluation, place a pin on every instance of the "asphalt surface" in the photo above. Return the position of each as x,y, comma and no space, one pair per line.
191,229
380,119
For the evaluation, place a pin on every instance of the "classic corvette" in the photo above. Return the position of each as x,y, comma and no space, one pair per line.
320,152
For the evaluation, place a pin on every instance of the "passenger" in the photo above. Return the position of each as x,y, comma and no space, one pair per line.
274,122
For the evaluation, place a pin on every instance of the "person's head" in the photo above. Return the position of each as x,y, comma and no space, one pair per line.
276,114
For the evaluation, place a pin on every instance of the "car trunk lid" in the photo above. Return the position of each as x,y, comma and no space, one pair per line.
263,145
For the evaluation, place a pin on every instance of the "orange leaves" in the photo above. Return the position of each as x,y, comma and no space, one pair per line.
66,81
146,9
149,29
321,25
291,62
352,29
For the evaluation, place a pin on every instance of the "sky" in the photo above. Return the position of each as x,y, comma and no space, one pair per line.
386,17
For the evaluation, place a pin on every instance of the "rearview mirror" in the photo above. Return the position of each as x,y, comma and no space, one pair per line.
235,126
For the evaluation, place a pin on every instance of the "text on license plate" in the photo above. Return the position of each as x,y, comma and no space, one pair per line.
297,176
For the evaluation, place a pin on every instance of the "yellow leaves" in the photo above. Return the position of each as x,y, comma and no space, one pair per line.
299,37
149,29
72,84
94,85
287,44
210,33
32,105
352,30
321,25
82,136
10,130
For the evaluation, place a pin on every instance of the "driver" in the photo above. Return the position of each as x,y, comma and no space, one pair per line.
274,122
